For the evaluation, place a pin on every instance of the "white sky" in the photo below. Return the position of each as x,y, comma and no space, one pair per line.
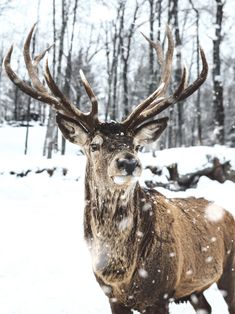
24,14
16,22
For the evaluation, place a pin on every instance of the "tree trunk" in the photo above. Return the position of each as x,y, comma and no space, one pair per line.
152,79
112,51
217,81
50,135
159,17
107,53
16,103
64,22
27,127
178,70
125,55
116,53
171,127
51,140
198,99
68,71
29,99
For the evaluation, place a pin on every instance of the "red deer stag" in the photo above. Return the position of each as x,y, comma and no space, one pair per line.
146,249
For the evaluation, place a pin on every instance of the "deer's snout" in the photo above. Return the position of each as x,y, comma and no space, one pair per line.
128,164
125,169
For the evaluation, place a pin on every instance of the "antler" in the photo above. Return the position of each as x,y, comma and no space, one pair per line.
54,96
150,107
158,100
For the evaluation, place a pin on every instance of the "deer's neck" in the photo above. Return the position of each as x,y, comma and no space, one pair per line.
107,200
110,224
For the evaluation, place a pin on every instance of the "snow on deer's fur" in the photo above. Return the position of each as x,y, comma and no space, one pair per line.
146,249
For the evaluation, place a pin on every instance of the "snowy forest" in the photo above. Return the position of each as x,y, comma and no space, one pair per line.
103,38
45,265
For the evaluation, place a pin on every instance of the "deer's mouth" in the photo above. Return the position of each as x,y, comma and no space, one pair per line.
124,179
125,169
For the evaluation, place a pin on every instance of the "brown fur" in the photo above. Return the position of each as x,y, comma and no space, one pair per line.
146,249
166,249
175,250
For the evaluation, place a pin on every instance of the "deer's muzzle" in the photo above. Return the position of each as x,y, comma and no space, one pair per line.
125,169
127,164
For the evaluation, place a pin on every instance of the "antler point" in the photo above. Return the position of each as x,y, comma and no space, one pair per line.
82,75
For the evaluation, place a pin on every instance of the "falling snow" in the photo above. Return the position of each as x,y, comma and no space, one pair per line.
45,266
209,259
189,272
214,213
125,223
143,273
147,207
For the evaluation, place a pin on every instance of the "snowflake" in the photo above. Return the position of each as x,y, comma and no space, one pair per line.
189,272
147,207
214,213
143,273
209,259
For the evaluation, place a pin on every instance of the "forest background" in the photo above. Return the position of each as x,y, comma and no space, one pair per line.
103,38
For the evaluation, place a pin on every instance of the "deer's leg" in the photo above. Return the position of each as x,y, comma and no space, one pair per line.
227,284
162,309
118,308
200,303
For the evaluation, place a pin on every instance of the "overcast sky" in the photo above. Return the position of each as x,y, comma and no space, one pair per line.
15,23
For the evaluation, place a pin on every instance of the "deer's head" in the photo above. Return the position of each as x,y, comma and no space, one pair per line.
112,147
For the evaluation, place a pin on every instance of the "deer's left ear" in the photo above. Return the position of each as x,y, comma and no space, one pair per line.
72,130
150,131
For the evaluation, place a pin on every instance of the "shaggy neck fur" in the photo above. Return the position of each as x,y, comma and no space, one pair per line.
111,226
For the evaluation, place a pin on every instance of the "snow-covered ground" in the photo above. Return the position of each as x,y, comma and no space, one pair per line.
44,263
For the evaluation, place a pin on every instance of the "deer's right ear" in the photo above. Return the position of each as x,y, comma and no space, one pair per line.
150,131
72,130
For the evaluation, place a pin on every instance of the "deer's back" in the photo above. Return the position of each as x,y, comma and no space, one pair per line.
206,232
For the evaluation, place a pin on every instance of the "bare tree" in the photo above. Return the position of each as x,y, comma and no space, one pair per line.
171,141
83,60
151,37
113,32
155,15
178,44
125,42
116,53
68,70
116,88
109,73
29,98
16,99
198,99
51,140
217,80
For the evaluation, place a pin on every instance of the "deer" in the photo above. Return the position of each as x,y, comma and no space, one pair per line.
147,250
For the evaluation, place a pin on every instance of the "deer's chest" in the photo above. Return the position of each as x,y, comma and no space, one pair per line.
140,289
127,278
111,258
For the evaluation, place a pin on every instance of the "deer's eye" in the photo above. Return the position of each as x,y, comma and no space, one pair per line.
95,147
138,148
111,147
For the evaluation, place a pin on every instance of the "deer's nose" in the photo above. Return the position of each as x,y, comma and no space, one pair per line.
128,164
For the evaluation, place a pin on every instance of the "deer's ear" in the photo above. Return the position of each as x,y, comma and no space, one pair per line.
72,130
150,131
